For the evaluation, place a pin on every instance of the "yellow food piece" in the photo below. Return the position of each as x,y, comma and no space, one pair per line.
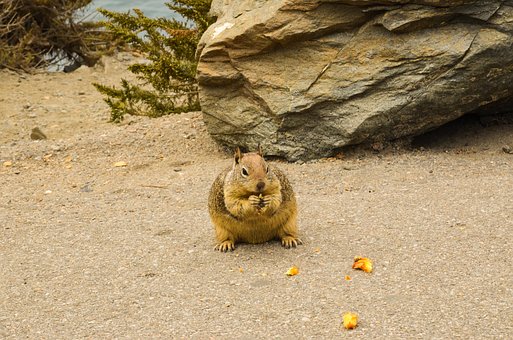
7,163
292,271
347,278
363,263
350,320
120,164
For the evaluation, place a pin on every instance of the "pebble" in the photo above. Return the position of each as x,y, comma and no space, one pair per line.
37,134
87,187
507,149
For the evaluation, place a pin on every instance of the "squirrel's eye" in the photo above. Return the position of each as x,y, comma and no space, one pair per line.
245,172
267,169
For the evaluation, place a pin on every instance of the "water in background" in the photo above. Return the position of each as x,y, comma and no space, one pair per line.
150,8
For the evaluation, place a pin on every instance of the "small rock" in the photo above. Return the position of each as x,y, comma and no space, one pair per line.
37,134
120,164
87,187
81,93
72,67
507,149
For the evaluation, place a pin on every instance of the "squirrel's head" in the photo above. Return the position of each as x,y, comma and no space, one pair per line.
253,172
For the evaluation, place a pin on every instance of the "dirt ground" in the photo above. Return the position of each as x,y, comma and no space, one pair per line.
93,250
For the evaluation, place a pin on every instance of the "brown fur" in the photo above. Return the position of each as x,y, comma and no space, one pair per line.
253,205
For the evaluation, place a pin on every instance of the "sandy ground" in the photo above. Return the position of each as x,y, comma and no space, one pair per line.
90,250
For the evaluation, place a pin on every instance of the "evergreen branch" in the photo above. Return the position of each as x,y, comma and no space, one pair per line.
167,81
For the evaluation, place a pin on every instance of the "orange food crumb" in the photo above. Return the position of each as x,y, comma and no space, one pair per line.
292,271
350,320
362,263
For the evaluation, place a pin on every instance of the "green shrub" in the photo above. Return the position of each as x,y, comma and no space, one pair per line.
167,80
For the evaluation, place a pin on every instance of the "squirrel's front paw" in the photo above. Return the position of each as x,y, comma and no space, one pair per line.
265,203
258,202
225,246
254,200
290,242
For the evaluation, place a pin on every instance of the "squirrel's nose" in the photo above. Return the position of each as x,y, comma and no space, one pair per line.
260,186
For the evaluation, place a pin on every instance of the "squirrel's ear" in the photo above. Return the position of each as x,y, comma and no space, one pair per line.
238,155
260,151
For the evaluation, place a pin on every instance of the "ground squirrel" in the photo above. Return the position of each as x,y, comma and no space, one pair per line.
252,202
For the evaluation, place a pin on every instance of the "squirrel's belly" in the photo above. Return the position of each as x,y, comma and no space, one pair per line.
258,230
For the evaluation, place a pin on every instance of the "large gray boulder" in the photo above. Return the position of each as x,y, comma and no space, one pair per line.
304,78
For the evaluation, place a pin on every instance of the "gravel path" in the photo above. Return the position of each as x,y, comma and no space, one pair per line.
93,250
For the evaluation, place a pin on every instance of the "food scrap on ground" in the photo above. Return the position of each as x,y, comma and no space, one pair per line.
350,320
363,263
292,271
